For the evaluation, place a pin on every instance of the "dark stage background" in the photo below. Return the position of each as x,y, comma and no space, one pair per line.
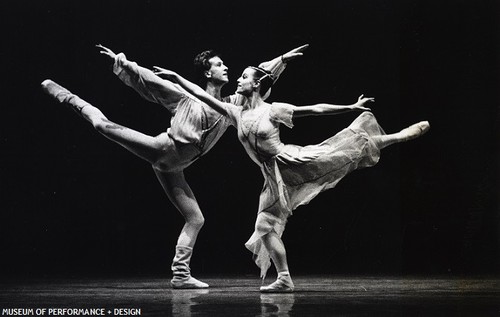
75,204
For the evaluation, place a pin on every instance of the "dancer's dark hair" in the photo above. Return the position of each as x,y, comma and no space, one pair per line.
201,65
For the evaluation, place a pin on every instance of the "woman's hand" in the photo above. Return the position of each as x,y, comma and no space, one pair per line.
294,53
360,105
106,51
165,74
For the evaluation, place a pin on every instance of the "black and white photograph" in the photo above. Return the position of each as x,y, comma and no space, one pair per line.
250,158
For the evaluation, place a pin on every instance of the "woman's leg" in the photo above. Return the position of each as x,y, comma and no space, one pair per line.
181,195
277,251
276,248
407,134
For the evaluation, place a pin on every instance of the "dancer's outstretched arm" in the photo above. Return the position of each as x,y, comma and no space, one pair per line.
329,109
277,65
143,80
194,89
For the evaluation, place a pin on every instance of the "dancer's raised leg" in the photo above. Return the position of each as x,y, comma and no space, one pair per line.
145,146
181,195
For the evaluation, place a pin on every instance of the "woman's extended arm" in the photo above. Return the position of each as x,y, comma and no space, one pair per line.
193,89
328,109
277,65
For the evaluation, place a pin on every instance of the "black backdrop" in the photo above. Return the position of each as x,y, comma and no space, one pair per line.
75,204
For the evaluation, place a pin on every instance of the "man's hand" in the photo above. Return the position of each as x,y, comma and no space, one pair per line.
106,51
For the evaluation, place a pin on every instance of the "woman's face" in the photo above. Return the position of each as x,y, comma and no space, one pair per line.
246,83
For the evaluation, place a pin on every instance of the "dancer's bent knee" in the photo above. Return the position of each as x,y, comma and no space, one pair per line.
265,222
197,222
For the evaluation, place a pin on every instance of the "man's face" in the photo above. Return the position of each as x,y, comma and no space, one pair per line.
218,71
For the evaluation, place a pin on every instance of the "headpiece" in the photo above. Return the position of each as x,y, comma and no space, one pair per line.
265,72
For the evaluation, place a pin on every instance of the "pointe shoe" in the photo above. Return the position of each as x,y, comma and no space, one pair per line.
189,283
63,95
283,284
415,130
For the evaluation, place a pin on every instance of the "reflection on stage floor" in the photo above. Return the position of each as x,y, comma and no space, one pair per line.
314,296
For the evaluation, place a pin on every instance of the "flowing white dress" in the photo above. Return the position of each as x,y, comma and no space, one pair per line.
294,175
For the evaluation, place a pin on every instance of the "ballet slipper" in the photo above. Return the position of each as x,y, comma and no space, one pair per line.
63,95
182,272
189,283
415,130
283,284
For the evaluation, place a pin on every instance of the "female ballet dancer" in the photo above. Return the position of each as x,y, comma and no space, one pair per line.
194,130
293,175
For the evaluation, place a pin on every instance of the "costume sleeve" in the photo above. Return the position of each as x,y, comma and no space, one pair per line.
275,66
282,113
150,86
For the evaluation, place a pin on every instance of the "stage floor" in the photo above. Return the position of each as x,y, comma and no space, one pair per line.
314,296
